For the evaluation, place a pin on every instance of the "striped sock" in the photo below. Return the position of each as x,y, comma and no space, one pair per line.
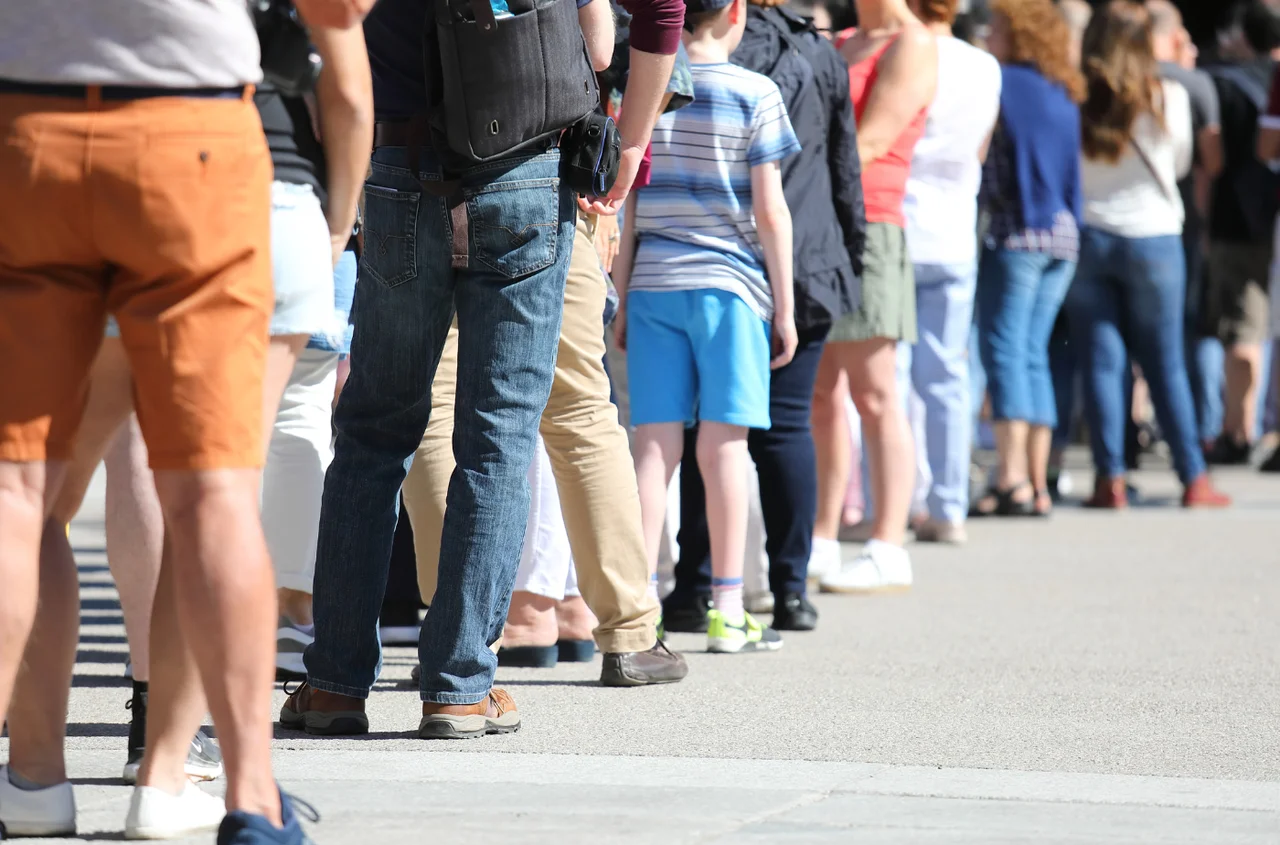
726,597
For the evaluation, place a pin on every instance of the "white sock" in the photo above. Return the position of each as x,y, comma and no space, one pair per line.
653,586
726,597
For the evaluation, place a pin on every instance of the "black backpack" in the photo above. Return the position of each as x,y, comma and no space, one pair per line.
497,85
1255,186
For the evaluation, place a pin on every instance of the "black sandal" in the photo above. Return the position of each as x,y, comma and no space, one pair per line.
1004,503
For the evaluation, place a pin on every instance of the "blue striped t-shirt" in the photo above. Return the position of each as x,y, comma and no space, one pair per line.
694,220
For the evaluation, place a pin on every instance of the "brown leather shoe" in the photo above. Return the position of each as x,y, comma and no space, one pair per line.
1201,493
658,665
1108,494
323,713
495,714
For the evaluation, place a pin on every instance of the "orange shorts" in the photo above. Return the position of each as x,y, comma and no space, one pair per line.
157,211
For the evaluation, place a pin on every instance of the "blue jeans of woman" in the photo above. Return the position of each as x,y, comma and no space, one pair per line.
1019,294
1128,300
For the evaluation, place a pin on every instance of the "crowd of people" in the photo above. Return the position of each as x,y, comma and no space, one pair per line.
835,261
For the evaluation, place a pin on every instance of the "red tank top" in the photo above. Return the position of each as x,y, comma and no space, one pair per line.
884,181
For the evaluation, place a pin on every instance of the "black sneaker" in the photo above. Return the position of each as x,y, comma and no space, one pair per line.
793,612
1228,451
686,616
398,625
204,759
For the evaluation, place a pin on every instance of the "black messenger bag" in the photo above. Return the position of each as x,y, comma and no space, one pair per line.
502,84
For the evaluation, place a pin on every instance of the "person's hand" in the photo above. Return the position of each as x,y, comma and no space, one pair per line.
785,342
337,246
608,240
337,14
620,328
610,205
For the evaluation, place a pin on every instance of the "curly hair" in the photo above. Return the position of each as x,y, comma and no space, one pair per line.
1039,36
1122,78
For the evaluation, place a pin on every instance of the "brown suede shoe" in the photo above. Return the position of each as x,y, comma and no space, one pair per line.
496,714
1108,494
1201,493
323,713
658,665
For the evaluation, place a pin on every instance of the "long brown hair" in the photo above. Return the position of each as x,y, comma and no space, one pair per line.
1121,77
1040,37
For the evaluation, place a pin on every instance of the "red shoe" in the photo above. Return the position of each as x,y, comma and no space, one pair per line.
1108,494
1202,494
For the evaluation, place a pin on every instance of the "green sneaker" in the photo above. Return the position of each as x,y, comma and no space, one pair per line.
662,629
749,635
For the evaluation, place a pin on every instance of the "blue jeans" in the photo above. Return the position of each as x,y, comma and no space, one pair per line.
1128,299
939,372
505,277
1019,294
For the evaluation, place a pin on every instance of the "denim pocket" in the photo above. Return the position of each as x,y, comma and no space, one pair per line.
514,225
390,234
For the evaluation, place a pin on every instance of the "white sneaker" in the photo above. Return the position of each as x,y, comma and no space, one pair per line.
824,558
36,812
882,567
155,814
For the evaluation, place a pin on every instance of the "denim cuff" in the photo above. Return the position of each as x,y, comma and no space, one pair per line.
337,689
453,697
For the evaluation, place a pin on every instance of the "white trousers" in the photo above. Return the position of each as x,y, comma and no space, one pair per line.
546,563
298,456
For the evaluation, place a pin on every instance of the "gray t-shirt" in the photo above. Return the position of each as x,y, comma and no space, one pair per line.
1204,97
161,43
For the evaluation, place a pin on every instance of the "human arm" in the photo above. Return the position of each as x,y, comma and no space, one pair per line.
655,37
338,14
1269,124
596,20
907,81
773,224
845,166
344,93
622,265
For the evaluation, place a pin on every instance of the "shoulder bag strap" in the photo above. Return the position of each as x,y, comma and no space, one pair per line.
1155,174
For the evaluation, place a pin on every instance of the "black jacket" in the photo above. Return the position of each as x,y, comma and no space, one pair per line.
823,183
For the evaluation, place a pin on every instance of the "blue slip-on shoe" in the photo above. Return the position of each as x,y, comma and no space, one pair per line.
241,828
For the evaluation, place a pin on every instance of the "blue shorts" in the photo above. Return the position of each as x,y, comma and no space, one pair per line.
697,355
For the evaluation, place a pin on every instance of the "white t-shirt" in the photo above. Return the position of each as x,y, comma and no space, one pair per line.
942,194
1125,198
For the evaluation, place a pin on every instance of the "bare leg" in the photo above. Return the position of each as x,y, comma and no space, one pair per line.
872,369
22,511
574,619
1243,373
1011,447
531,621
38,715
722,458
658,448
135,538
831,442
224,596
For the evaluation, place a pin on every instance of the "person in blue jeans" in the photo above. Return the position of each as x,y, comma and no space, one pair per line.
1129,296
493,248
1031,189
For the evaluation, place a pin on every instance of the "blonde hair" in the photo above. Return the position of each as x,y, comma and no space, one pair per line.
1121,77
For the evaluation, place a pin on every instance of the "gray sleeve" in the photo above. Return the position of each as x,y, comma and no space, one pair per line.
1204,100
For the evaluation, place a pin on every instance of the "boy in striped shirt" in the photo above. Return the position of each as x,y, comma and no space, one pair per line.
705,272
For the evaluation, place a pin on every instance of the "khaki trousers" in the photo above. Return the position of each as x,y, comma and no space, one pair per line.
590,458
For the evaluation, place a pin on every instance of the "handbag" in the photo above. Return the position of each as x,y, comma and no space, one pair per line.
500,85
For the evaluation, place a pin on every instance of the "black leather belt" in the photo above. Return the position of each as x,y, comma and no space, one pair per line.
399,133
118,92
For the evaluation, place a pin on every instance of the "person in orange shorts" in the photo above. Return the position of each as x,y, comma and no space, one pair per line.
137,183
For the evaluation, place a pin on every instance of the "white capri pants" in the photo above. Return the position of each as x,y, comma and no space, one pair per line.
298,456
546,563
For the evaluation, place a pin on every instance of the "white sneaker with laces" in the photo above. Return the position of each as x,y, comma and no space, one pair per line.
882,567
824,558
156,814
36,812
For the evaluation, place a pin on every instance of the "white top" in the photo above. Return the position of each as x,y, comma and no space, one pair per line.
942,194
1125,198
160,43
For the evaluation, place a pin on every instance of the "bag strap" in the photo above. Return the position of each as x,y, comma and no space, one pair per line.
1155,174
